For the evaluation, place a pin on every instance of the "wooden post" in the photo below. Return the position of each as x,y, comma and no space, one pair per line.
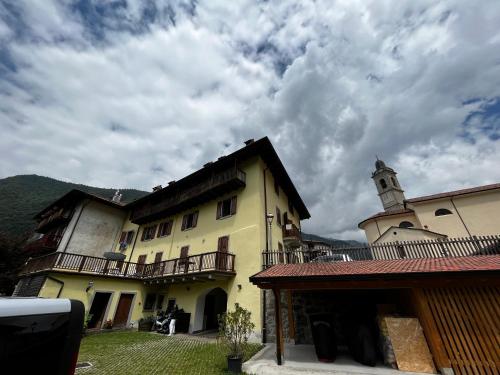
430,329
277,311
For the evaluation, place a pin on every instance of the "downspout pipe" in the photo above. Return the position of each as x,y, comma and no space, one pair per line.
460,216
264,327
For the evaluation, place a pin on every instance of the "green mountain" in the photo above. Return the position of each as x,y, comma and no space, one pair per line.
23,196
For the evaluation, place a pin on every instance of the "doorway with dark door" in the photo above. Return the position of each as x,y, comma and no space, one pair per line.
98,309
123,310
215,304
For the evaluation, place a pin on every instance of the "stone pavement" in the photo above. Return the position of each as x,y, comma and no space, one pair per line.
301,360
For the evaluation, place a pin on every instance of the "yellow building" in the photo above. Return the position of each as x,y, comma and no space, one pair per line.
460,213
193,243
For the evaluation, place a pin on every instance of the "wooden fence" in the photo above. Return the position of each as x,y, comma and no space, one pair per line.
449,247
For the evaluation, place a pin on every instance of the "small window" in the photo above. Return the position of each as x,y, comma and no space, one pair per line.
442,212
165,228
189,220
276,187
406,224
148,233
383,183
130,236
278,216
226,208
290,207
150,301
394,183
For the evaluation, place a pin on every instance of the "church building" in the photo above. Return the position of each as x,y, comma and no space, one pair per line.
459,213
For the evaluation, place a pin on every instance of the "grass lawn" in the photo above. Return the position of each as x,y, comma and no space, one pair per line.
141,353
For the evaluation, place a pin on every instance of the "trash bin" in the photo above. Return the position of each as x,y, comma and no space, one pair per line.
323,334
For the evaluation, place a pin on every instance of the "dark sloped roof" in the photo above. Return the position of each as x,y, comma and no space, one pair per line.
454,193
76,195
262,148
387,213
376,268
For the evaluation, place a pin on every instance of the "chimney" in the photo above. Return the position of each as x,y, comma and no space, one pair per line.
117,197
249,141
207,164
171,182
156,188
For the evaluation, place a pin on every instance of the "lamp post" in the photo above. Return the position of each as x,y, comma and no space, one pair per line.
270,218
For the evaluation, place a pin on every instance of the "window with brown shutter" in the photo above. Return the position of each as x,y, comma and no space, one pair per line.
290,207
226,207
148,233
276,187
223,244
189,220
165,228
278,216
158,256
130,236
123,236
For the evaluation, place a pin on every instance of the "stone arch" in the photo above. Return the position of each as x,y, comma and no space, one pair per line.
209,304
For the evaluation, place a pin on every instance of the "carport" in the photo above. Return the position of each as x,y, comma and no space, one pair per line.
456,301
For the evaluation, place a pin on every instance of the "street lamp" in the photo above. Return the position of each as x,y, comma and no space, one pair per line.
270,218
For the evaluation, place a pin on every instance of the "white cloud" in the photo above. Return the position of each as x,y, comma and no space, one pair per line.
144,98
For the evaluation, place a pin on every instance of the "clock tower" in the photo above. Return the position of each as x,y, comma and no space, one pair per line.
389,190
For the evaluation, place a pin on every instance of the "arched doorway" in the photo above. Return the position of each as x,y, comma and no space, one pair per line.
215,304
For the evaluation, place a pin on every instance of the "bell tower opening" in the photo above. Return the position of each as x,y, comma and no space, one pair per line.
388,187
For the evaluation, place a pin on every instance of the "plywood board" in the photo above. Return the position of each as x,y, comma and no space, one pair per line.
409,344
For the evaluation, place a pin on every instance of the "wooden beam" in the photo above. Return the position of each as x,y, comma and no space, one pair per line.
277,312
431,332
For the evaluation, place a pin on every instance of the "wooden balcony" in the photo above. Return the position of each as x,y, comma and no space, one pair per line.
292,237
182,199
204,266
55,219
46,244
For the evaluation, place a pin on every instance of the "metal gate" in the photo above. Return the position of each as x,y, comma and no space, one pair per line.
468,321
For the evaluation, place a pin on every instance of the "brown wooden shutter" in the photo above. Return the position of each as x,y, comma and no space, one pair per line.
143,235
123,236
278,216
195,219
285,218
184,251
130,236
169,227
233,205
219,210
141,259
158,256
184,221
223,244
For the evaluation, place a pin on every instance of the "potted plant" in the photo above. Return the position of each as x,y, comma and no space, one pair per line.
234,329
108,324
86,321
146,324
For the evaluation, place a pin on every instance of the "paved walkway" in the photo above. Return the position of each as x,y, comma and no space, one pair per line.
301,360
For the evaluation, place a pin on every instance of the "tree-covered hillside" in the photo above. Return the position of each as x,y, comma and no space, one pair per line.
21,197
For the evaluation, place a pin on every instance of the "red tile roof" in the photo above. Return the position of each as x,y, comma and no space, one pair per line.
340,270
454,193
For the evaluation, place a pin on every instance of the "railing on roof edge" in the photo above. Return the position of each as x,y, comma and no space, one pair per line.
448,247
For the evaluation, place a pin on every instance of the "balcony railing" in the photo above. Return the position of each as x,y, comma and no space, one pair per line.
216,184
449,247
219,262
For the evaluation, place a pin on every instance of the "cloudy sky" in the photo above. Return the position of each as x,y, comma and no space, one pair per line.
131,93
